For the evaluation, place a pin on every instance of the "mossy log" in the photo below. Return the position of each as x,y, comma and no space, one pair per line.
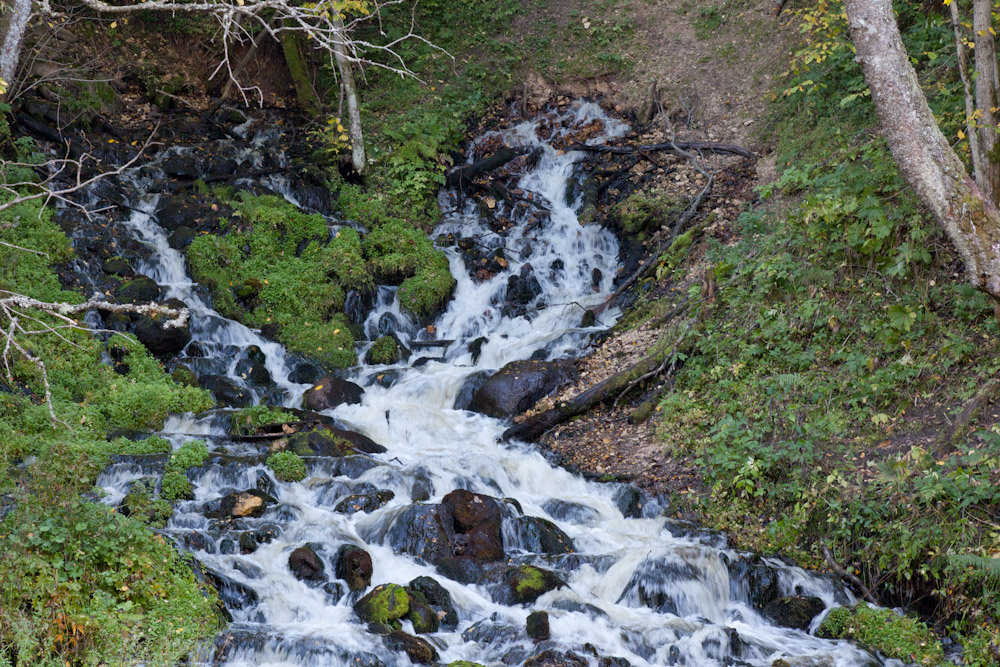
532,428
297,68
464,174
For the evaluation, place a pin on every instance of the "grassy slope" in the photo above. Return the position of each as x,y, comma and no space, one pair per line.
842,341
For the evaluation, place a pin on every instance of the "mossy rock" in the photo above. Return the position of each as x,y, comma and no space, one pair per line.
140,289
878,629
527,583
383,604
417,649
425,620
184,375
318,443
383,351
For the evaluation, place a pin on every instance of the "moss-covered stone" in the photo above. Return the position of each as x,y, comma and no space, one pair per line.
528,582
184,375
317,443
425,620
877,629
278,269
287,466
385,351
383,604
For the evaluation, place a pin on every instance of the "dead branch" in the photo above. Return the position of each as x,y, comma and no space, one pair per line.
677,147
969,413
456,177
869,594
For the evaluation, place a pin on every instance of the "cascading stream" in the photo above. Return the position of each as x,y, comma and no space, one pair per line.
641,589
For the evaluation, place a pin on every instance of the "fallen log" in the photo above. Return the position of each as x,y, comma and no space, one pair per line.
460,175
533,427
670,147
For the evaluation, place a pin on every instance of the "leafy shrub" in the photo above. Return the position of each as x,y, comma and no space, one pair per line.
176,486
190,454
881,630
287,466
248,420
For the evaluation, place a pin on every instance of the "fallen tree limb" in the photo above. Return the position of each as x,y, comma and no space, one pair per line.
969,413
670,147
461,175
533,427
869,594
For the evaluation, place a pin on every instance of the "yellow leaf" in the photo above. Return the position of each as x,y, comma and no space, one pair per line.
961,135
114,24
344,137
336,331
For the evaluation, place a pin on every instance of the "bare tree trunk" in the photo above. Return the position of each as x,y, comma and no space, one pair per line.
926,161
350,91
986,97
13,23
970,102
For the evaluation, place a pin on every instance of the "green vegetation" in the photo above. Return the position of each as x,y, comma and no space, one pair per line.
277,266
287,466
80,584
176,486
881,630
190,454
246,421
842,337
642,212
385,350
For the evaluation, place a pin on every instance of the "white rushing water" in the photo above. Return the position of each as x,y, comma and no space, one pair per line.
643,589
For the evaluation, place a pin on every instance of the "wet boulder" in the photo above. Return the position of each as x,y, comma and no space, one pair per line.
117,266
538,535
181,165
537,625
553,658
252,367
794,611
383,605
354,565
182,374
181,238
331,391
477,524
564,510
140,289
519,385
417,650
306,564
239,505
526,583
425,620
327,441
470,386
654,584
363,502
226,392
176,211
160,339
437,597
420,532
753,580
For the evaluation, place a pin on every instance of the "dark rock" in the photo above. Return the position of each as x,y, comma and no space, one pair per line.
226,392
519,385
425,620
630,501
117,266
613,661
180,165
354,467
477,523
754,580
794,611
356,306
238,505
538,625
354,565
524,287
140,289
363,502
564,510
435,595
420,532
199,541
422,488
334,592
306,564
462,569
418,650
233,594
265,483
554,658
305,372
470,386
252,367
181,238
595,279
526,583
176,211
327,441
589,319
160,339
383,604
476,348
538,535
491,631
329,392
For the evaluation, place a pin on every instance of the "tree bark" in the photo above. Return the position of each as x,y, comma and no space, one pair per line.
13,23
358,159
970,101
986,97
304,92
926,161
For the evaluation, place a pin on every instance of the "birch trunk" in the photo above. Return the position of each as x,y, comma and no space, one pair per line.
928,164
13,23
358,160
986,97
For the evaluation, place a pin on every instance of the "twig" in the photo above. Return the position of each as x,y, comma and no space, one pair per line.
869,594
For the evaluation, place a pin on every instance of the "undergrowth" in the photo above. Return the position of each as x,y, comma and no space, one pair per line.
842,341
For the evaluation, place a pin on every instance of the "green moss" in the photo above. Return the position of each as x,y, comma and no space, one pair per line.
529,579
246,421
141,504
190,454
176,486
287,466
385,350
641,213
384,604
881,630
279,267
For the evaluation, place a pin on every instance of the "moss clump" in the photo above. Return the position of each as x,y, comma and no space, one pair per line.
385,350
176,486
287,466
641,213
384,604
248,420
190,454
278,267
400,254
881,630
528,582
